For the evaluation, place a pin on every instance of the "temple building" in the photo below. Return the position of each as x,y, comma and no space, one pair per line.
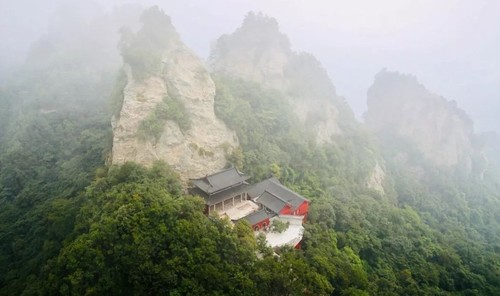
222,190
228,194
277,198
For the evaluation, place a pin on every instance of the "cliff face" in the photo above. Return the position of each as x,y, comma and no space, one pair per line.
376,179
443,133
259,52
152,126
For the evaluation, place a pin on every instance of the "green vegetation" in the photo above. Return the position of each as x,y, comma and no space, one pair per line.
46,163
279,226
55,135
136,234
171,108
71,225
133,232
143,50
410,242
257,31
273,140
117,95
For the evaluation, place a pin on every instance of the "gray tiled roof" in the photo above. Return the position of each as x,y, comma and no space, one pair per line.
271,201
258,216
220,181
276,192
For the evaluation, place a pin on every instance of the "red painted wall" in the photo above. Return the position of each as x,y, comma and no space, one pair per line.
303,209
287,210
260,224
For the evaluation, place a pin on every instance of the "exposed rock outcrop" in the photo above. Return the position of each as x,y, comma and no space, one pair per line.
442,132
376,179
195,151
259,52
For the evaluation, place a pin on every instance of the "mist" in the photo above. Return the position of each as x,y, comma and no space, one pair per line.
239,147
451,46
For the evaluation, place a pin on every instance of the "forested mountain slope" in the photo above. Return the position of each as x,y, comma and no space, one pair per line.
72,224
441,168
54,135
258,52
265,87
436,223
398,104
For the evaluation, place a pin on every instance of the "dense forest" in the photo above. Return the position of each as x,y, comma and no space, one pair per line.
72,224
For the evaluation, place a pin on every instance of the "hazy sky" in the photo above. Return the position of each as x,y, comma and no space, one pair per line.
452,46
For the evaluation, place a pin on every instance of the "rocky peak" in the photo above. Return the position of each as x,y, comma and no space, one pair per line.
261,30
400,105
167,111
259,52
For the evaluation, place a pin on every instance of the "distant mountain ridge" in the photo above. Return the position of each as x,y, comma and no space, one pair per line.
395,210
259,52
399,105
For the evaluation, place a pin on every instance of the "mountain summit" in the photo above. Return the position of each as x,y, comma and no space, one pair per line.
399,105
259,52
167,108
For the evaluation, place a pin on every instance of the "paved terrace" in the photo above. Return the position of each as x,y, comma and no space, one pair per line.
291,236
241,210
